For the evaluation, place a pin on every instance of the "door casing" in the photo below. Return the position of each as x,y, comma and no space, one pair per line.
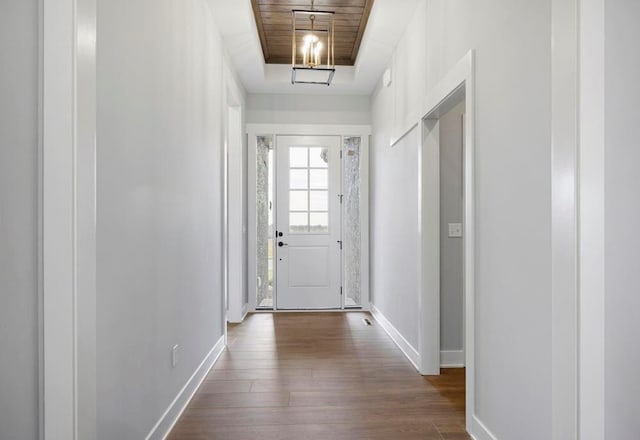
363,131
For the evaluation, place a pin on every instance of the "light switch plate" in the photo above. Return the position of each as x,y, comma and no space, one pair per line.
174,355
455,229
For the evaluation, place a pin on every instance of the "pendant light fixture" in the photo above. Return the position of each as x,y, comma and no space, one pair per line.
312,54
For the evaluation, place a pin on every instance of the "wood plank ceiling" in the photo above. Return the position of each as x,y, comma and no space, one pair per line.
273,19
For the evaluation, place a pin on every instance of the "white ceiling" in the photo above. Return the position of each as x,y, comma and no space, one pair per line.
386,25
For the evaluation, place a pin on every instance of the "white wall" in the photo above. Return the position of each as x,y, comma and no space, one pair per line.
19,219
237,234
451,248
308,109
394,228
622,251
512,40
159,232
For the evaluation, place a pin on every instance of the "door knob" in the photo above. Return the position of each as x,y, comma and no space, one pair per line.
280,244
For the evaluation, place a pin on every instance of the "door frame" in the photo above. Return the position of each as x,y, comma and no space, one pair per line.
255,130
233,190
586,266
67,217
458,80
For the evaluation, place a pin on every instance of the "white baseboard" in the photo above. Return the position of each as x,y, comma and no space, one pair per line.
237,319
245,311
479,431
163,427
452,359
404,346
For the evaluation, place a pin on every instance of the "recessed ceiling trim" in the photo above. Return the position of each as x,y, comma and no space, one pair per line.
263,38
361,28
273,22
386,25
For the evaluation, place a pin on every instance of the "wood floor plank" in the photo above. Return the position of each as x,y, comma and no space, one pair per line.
381,372
319,376
239,400
350,431
198,417
373,399
311,354
245,364
339,384
450,431
225,386
258,373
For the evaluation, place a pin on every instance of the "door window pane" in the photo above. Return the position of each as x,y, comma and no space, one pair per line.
298,222
319,201
318,157
319,222
298,201
298,179
319,179
298,157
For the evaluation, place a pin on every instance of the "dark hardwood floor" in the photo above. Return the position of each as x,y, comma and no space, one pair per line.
308,376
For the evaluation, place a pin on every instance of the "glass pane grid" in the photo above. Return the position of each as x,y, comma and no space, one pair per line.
308,190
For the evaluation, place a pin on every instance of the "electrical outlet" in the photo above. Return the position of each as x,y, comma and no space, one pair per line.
174,356
386,78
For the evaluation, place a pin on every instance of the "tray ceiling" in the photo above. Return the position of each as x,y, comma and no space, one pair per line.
273,20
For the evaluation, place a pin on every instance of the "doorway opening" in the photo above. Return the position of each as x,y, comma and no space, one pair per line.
309,210
447,224
451,136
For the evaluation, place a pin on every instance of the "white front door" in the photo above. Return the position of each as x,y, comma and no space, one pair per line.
308,222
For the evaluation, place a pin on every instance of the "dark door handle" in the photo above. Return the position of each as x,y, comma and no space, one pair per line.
280,244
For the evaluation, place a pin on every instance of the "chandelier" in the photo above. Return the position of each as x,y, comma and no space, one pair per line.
312,54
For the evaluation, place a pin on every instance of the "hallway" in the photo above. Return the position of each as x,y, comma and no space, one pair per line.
320,376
